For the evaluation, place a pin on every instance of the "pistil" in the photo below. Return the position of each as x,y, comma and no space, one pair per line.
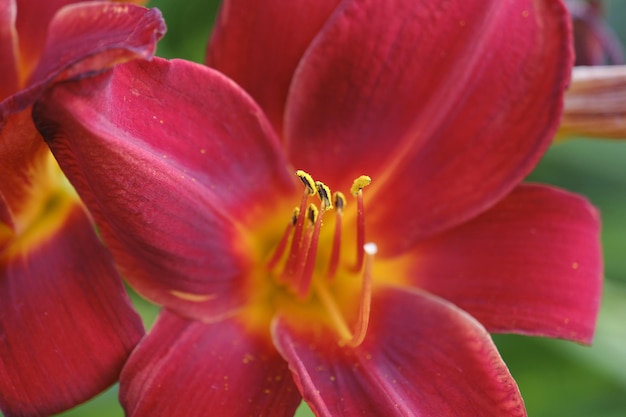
355,336
357,191
360,330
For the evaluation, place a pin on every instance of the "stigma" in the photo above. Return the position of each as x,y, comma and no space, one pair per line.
297,265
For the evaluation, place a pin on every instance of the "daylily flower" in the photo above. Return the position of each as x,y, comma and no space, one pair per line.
425,116
66,323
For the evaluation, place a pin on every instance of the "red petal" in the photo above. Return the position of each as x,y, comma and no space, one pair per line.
421,357
22,161
99,34
532,265
87,37
445,105
9,81
66,323
32,24
172,158
188,368
7,225
258,44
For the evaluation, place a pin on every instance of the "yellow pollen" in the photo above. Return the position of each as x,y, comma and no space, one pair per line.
359,183
324,194
308,182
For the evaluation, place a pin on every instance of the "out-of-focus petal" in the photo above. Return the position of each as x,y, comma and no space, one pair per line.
86,37
259,44
595,104
532,264
421,357
32,24
595,43
9,81
99,34
171,158
187,368
66,323
456,101
140,2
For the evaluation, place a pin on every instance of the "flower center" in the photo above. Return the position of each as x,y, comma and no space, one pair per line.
297,264
41,210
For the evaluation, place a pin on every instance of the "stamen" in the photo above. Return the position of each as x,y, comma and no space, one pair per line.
360,183
301,262
303,249
357,191
305,276
340,203
282,244
312,214
308,182
324,193
340,200
304,229
365,304
296,241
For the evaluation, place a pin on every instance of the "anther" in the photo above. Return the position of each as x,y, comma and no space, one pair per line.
360,183
340,201
324,194
312,213
294,216
308,182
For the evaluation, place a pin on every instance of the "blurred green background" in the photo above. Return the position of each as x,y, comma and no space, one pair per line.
556,378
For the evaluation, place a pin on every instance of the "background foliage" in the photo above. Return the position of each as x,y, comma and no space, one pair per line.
556,378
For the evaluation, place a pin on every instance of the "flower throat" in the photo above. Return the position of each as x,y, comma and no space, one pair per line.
293,261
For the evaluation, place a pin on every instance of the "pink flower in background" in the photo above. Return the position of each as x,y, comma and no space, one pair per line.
66,324
382,303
